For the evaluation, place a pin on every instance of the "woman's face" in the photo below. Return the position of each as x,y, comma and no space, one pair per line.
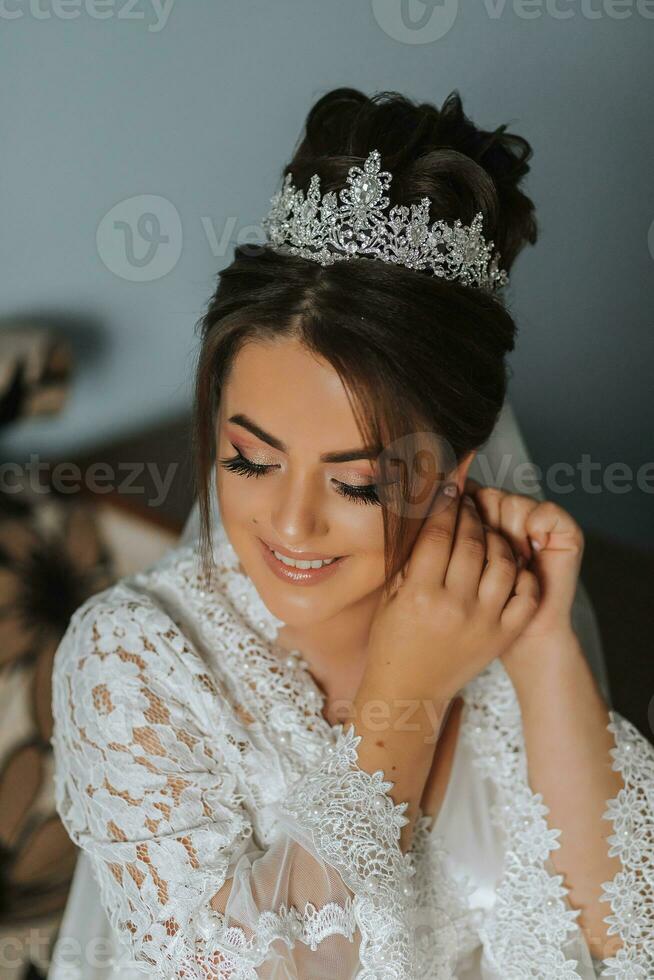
287,415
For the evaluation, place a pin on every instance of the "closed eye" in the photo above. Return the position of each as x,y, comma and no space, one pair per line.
245,467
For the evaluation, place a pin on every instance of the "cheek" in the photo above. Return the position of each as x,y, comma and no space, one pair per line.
360,530
240,497
368,567
362,526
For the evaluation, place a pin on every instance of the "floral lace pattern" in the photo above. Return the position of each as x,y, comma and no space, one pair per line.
631,893
529,924
188,745
527,930
362,841
445,928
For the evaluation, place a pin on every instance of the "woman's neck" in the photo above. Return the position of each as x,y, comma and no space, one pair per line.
335,649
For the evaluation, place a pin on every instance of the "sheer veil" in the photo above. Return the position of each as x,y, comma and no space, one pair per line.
505,462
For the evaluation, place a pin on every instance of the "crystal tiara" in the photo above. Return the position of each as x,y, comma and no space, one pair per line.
330,229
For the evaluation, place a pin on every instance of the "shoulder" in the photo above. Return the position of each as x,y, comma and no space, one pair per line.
140,608
139,721
126,617
129,645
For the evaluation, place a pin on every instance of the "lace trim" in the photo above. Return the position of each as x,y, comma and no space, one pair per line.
288,924
445,928
355,827
530,921
631,891
533,916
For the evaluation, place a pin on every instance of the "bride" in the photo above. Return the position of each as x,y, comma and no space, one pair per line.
350,729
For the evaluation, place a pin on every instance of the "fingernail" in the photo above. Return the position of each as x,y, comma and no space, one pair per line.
450,490
536,545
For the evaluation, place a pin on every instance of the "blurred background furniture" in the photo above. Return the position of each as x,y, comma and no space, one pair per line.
56,549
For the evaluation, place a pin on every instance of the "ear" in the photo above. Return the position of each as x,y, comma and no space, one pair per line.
461,472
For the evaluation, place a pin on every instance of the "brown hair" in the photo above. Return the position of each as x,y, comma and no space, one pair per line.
414,351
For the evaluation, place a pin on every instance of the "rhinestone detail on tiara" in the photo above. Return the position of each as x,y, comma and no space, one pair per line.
329,229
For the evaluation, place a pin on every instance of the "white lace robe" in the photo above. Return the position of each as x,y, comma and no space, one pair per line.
190,749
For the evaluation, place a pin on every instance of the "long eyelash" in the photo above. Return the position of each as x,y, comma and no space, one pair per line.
239,464
362,495
245,467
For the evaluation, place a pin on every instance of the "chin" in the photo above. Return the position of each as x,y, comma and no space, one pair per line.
297,607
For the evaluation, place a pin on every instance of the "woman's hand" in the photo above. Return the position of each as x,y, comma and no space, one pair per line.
551,544
460,602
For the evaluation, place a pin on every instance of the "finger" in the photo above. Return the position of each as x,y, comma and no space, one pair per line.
523,604
499,575
488,501
430,555
508,513
514,514
552,527
468,552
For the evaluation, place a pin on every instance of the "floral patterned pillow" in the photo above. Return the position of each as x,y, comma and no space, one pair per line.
52,557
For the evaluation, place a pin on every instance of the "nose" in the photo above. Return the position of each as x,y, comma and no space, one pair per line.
298,515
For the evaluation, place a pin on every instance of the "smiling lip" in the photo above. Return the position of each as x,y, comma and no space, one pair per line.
298,576
298,555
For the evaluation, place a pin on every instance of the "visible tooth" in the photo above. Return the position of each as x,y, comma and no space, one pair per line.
318,563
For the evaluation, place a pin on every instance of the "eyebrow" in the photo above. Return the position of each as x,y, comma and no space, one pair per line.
367,452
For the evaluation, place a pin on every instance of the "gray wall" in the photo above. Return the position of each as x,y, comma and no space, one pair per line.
200,104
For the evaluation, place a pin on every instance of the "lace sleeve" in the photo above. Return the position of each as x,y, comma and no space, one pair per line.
146,784
631,892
